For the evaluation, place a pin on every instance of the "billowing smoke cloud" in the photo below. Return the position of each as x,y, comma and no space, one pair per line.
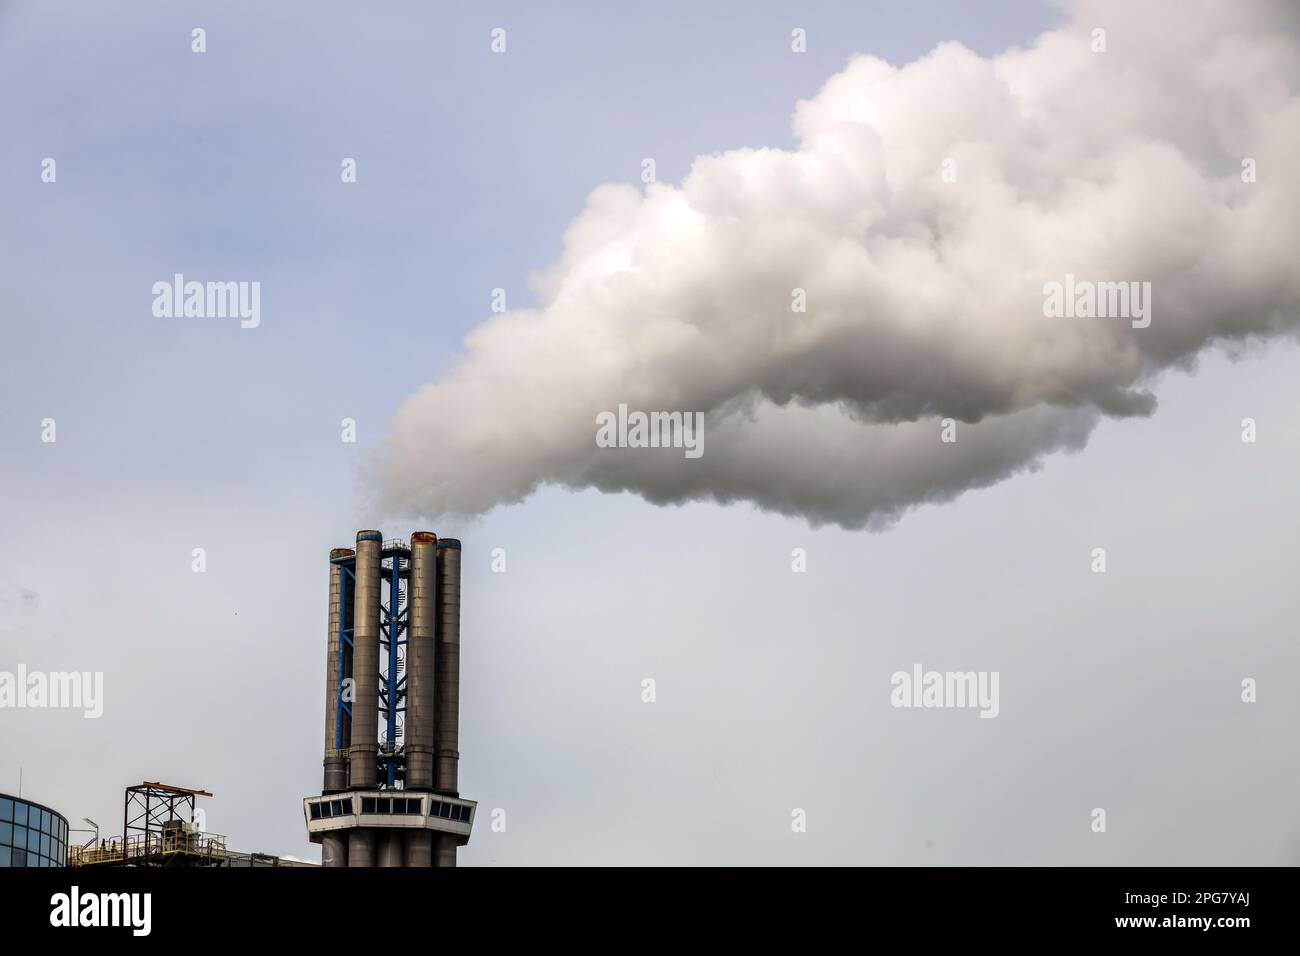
924,210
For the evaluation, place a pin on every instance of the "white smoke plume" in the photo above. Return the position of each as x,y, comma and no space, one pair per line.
924,291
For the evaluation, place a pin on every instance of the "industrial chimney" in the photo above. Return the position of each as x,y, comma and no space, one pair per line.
390,794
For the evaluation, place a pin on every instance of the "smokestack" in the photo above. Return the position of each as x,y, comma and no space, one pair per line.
334,850
363,816
336,769
391,846
420,660
364,742
338,664
361,847
419,848
448,681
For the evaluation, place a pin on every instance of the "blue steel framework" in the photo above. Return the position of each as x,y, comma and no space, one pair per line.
392,684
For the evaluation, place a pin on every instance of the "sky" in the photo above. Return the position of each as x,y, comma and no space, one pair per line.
1119,690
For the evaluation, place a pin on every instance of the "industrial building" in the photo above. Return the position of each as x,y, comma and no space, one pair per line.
389,794
31,834
158,830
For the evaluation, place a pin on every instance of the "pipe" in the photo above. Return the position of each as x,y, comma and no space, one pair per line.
446,850
419,848
447,666
361,848
420,661
336,768
364,745
334,850
391,846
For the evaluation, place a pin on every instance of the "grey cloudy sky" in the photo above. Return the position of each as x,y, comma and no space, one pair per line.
1118,690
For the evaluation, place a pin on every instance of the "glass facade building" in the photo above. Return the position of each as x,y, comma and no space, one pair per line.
31,834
